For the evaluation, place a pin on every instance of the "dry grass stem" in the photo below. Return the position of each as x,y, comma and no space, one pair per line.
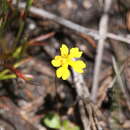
94,33
120,82
103,33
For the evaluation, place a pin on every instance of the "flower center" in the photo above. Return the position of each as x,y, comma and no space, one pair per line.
65,60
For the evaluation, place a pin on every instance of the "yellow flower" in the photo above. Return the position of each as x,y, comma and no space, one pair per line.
68,58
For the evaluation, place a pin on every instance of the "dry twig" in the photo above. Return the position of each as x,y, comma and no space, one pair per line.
126,96
82,92
87,109
103,33
94,33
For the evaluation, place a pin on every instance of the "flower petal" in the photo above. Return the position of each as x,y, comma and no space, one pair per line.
64,50
63,72
59,72
75,53
66,74
78,66
57,61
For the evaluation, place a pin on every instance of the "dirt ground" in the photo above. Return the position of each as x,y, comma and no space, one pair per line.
99,98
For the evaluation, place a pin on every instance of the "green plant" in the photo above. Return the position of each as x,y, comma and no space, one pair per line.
52,120
12,51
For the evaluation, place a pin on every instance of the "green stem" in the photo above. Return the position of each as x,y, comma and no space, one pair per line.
4,72
10,76
22,24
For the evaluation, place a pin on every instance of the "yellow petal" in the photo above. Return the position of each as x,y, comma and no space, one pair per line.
64,50
66,74
59,72
78,66
57,61
75,53
63,72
